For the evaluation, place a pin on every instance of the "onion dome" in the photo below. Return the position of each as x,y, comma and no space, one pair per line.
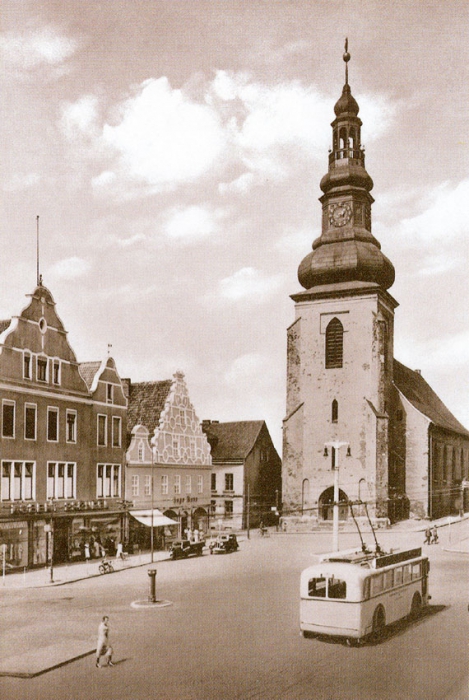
346,251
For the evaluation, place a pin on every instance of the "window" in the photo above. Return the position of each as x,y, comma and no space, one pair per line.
228,507
317,587
398,576
61,480
192,446
42,369
228,482
102,430
415,571
108,480
188,483
147,485
134,484
213,479
377,583
389,579
71,426
27,365
30,422
109,393
53,424
334,344
200,483
116,431
176,445
8,419
141,451
335,412
56,371
164,483
18,481
336,589
177,483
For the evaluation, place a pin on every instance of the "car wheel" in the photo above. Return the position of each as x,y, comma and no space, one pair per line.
379,623
416,607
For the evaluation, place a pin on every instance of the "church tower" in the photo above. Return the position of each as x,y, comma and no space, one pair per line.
340,346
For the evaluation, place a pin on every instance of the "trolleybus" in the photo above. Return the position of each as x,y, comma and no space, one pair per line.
356,593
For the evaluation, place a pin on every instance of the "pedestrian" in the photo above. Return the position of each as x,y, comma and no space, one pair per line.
428,536
434,535
103,648
87,551
120,551
97,549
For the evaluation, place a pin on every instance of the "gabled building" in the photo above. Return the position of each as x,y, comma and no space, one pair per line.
246,482
56,489
354,414
168,461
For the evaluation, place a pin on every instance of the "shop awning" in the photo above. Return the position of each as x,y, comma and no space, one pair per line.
144,517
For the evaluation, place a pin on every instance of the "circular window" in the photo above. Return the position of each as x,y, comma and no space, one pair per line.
42,325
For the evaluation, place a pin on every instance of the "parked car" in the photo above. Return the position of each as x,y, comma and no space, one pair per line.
224,544
184,548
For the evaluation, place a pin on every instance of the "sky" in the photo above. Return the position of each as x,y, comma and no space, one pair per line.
173,151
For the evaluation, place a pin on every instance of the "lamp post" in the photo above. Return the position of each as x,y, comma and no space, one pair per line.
303,494
335,446
152,501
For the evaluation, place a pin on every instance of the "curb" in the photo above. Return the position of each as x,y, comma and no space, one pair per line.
21,674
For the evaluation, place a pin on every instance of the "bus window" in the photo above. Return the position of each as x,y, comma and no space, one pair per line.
398,576
336,588
366,589
389,579
376,584
317,587
415,571
406,573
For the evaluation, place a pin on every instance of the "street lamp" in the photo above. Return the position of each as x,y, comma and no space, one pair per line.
152,501
303,483
335,465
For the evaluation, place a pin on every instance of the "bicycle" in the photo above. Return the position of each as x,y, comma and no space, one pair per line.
106,567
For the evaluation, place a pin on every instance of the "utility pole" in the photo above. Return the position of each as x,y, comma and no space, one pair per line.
248,506
335,446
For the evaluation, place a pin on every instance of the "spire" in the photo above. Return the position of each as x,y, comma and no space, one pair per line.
346,251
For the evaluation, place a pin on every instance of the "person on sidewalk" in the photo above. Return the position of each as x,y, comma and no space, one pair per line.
434,535
120,551
428,536
103,648
87,551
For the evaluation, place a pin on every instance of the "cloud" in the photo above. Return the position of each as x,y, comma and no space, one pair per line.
45,46
191,224
241,185
69,268
163,137
80,118
251,283
245,368
297,242
21,181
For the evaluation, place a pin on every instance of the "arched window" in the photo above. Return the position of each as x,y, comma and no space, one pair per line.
335,411
334,344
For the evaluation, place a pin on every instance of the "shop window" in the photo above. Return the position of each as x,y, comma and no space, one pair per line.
102,430
200,483
30,422
334,344
8,419
116,431
71,426
53,424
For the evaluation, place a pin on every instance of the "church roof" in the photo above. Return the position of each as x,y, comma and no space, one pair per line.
233,440
88,371
146,403
420,394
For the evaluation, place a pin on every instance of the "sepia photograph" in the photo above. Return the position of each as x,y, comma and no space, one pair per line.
234,350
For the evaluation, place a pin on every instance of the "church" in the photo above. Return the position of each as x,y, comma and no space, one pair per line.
353,412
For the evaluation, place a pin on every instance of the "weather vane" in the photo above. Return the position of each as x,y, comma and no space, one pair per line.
346,59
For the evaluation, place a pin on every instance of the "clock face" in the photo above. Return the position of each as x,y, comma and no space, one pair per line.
340,214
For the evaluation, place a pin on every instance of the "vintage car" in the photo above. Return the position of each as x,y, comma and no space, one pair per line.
224,544
184,548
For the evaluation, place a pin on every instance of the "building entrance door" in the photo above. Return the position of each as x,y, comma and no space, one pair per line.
61,536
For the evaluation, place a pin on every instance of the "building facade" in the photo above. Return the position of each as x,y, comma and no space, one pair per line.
345,391
54,495
168,461
246,481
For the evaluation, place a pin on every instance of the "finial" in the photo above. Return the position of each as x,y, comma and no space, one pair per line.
346,58
109,346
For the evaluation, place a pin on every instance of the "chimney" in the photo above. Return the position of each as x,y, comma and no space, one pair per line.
418,371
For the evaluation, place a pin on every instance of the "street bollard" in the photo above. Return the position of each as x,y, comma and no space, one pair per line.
152,575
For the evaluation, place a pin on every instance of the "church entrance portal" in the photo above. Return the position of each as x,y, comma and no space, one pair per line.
326,505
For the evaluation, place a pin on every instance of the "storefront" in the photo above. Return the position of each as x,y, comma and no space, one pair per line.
165,529
13,545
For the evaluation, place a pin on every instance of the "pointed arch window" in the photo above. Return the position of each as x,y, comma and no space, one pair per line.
335,411
334,344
